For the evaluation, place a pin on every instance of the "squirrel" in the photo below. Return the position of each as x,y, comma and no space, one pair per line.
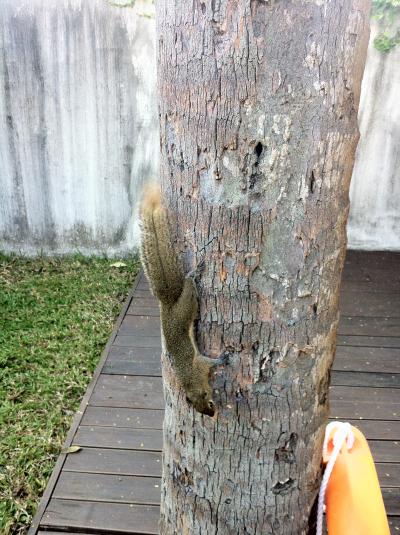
177,296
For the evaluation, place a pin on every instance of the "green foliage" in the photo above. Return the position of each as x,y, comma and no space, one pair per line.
128,3
56,316
384,42
387,13
131,3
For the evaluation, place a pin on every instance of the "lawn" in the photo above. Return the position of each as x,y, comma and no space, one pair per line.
55,318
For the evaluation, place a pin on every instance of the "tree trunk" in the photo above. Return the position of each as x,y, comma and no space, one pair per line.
258,112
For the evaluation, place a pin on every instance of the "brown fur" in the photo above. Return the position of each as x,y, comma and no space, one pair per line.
177,295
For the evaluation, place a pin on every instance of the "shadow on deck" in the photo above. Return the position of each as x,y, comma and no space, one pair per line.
113,484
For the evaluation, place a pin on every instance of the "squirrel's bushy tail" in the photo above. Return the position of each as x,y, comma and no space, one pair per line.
158,256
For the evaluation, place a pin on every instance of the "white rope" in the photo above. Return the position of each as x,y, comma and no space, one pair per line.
342,433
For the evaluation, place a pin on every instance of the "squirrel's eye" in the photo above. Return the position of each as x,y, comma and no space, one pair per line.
204,395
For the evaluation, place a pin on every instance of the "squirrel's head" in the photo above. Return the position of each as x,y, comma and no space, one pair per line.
200,396
202,402
198,390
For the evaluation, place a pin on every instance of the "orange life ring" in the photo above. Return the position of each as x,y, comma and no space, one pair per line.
353,499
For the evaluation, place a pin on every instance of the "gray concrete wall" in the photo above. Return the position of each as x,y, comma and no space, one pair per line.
78,124
79,135
374,221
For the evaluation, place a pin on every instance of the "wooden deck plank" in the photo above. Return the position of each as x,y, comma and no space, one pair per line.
380,278
371,272
115,461
128,391
143,321
343,409
373,281
138,341
373,269
143,284
367,341
394,525
388,474
370,396
140,361
114,517
111,488
141,326
368,326
380,380
360,286
149,311
122,417
385,304
119,437
132,354
144,301
143,292
149,369
391,497
371,359
361,402
375,259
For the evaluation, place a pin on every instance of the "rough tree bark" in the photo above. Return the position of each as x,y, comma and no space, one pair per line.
258,113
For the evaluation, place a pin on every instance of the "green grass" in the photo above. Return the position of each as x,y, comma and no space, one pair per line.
55,318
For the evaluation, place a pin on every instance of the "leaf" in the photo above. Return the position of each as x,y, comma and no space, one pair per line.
71,449
118,264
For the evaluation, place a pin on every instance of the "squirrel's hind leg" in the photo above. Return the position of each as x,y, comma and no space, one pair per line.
185,309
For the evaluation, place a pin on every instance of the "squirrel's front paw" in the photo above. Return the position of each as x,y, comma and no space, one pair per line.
219,361
224,357
195,273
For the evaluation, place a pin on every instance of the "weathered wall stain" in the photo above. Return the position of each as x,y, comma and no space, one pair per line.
78,124
79,131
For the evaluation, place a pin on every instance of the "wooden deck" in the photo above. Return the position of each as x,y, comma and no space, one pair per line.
113,484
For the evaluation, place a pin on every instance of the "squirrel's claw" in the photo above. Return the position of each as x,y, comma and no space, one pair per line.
224,357
219,361
195,273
